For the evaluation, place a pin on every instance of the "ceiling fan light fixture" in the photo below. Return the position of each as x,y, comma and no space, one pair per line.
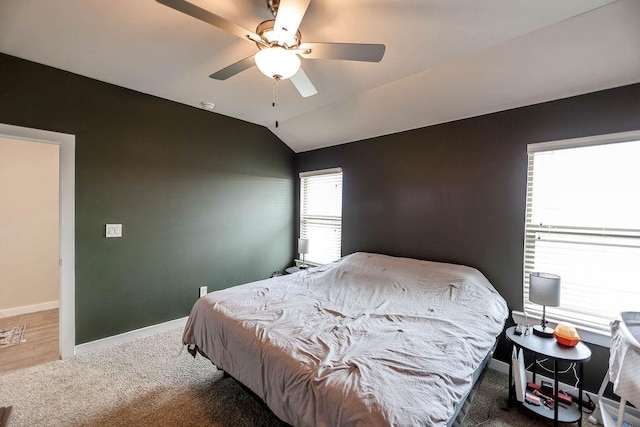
277,61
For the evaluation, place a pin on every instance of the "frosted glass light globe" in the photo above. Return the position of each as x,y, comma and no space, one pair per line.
277,61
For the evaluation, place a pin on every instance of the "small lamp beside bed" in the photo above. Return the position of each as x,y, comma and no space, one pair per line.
303,249
544,289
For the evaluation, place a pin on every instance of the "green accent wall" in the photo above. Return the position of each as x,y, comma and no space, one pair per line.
455,192
204,199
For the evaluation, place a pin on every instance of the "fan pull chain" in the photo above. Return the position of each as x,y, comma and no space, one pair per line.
275,102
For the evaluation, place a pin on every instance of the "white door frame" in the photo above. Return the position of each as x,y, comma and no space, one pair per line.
67,156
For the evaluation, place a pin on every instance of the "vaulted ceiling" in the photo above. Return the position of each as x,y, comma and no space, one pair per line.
444,59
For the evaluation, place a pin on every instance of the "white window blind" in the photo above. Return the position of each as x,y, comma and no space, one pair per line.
321,214
583,224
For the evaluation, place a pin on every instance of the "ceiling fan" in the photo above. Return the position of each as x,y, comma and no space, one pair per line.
280,43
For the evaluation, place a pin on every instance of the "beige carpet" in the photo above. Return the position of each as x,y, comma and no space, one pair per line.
151,382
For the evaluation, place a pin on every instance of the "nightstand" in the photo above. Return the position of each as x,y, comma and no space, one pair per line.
549,348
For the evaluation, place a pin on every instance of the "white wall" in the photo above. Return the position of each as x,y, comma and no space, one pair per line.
29,223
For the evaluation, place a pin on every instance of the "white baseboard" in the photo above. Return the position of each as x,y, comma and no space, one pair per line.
632,415
129,336
499,366
16,311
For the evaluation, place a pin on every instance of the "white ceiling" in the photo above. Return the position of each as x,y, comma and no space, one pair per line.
444,60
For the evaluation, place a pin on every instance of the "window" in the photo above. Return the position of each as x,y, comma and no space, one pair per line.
321,214
583,224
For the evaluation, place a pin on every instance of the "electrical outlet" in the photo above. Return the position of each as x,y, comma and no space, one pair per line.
203,291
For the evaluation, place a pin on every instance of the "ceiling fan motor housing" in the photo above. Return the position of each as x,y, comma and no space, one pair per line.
272,38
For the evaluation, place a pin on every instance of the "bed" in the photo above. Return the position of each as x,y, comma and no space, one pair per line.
368,340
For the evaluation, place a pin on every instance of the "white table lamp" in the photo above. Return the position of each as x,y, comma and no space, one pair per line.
303,248
544,289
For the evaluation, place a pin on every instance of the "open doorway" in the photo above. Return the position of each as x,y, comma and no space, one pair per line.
65,145
29,253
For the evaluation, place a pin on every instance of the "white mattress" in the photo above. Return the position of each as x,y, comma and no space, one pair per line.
368,340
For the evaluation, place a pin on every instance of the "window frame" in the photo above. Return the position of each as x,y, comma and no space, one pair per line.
327,220
588,334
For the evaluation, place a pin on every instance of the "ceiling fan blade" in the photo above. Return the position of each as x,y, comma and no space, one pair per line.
234,69
211,18
303,84
346,51
290,14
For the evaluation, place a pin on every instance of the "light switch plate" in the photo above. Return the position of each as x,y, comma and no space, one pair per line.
113,230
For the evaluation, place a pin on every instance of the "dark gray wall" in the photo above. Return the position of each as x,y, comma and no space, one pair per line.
204,199
456,192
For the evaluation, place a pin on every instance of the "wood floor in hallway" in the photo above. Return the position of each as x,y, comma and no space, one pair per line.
40,340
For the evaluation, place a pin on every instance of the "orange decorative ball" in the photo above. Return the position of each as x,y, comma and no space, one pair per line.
566,335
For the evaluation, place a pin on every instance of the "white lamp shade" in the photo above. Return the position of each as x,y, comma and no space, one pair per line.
303,246
277,61
544,289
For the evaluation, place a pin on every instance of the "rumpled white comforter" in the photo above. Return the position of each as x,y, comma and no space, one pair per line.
369,340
